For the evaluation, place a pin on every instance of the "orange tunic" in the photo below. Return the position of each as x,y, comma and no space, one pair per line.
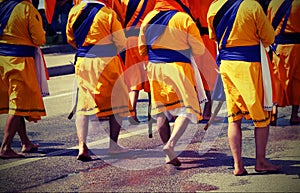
207,62
102,90
287,64
135,73
19,89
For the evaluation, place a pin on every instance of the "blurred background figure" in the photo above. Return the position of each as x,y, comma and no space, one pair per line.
59,20
284,16
207,62
135,64
55,15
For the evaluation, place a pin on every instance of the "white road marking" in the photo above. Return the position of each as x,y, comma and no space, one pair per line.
57,96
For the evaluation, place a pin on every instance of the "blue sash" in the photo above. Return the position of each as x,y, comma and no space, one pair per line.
284,38
93,51
6,9
226,23
132,5
155,28
168,56
242,53
282,10
288,38
81,32
223,24
16,50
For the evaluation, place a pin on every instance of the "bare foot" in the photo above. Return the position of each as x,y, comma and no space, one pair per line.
32,147
84,157
9,154
171,157
174,162
83,154
240,172
239,169
266,167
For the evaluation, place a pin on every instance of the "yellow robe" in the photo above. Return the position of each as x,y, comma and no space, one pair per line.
101,85
287,64
19,89
243,80
172,85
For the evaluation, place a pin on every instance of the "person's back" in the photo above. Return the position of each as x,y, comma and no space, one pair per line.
250,25
20,35
178,35
99,38
169,37
239,27
23,29
103,30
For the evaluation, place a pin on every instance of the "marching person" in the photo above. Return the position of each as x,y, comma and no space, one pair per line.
21,32
284,16
135,74
95,31
238,27
168,37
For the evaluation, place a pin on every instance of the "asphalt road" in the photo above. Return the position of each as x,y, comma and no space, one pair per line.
206,157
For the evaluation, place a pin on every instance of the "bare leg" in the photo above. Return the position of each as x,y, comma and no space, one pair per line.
133,96
295,119
12,123
207,106
27,145
150,119
115,127
179,128
261,139
235,142
149,107
82,124
163,128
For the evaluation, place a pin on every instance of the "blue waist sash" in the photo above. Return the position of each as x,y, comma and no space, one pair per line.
93,51
242,53
283,11
167,55
288,38
17,50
